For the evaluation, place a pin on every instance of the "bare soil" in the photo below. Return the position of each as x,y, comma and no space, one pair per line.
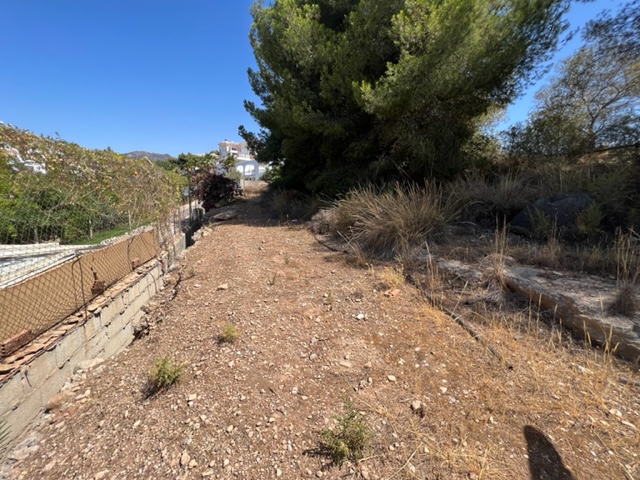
317,327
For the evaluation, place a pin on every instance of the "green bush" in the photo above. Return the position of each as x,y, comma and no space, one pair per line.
349,439
164,373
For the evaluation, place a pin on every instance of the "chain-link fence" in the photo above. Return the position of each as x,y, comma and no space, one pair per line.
73,222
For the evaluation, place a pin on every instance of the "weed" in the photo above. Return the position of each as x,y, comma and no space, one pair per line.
350,437
392,277
165,372
628,261
589,220
229,333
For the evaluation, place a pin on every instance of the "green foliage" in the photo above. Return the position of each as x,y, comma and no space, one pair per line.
164,373
229,333
593,100
381,89
589,221
349,439
51,189
188,162
218,188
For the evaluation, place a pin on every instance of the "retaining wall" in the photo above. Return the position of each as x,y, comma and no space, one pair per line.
104,329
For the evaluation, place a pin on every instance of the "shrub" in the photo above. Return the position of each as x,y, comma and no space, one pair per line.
349,439
392,223
165,372
218,188
229,333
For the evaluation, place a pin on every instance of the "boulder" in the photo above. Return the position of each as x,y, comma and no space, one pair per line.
562,210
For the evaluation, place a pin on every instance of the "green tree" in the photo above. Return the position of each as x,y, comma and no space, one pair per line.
594,99
372,89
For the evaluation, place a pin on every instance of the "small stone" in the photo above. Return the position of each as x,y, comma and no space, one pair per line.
223,286
345,364
417,407
312,356
443,389
294,391
185,458
193,464
207,473
230,429
271,419
101,475
192,397
361,316
59,400
391,378
225,463
278,472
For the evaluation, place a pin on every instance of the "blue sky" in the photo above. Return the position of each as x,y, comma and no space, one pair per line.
165,76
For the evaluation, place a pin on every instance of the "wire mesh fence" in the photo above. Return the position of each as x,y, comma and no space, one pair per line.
73,222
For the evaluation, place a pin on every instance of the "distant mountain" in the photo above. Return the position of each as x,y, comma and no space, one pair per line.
151,156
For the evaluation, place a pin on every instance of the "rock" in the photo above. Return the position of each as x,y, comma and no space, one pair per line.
224,286
223,216
59,400
391,378
101,475
578,304
561,209
294,391
417,407
345,363
185,458
88,364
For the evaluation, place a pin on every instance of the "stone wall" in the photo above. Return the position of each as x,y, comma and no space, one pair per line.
35,373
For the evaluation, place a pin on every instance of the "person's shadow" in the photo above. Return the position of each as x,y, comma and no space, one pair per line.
545,463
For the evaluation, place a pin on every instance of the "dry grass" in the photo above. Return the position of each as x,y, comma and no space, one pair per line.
478,416
392,223
392,276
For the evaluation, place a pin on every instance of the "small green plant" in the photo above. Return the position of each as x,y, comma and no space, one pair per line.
350,437
589,221
229,333
165,372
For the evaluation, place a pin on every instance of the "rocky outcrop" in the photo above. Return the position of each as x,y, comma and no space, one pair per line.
561,210
581,304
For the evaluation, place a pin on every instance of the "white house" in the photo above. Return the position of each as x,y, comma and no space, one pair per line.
246,163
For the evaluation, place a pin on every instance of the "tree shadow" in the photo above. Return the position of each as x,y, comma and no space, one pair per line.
545,463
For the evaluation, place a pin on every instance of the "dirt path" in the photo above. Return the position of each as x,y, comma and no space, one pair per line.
315,330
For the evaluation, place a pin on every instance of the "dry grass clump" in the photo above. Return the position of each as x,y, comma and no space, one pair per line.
392,276
486,199
229,333
391,223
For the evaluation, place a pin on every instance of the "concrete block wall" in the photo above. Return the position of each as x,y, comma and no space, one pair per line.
105,333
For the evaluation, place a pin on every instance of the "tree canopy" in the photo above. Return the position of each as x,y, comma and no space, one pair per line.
355,90
593,101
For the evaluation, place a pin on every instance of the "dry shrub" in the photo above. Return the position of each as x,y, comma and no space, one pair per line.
485,199
292,205
392,223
